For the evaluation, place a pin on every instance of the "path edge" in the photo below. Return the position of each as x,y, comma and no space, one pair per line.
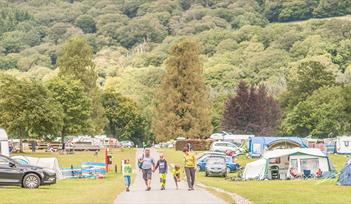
237,198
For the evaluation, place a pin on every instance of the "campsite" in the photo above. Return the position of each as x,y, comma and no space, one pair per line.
175,101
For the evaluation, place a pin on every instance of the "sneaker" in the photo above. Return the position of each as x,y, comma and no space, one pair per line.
127,190
189,189
192,188
148,189
163,188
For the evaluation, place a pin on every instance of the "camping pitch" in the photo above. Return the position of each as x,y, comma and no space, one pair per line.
289,163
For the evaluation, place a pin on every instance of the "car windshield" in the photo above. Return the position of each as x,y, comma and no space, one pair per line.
216,161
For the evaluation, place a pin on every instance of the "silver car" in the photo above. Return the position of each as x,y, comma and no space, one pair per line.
216,166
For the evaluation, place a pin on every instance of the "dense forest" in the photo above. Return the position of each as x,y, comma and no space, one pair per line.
261,42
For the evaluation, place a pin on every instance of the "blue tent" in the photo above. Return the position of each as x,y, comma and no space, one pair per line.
257,145
345,174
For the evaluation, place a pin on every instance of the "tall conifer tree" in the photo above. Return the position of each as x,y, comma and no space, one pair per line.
183,107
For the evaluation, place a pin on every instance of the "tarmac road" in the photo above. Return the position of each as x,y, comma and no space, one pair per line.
171,195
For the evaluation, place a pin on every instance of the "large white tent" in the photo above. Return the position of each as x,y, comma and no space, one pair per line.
284,159
4,143
49,163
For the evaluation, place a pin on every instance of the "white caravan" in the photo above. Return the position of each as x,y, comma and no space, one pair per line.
343,145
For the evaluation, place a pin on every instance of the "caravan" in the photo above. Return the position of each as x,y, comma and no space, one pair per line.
4,143
343,145
289,164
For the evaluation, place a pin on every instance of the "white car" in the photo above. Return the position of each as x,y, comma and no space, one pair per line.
127,144
224,146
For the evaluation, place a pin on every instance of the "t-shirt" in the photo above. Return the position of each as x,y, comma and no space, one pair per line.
147,163
176,172
189,160
162,166
127,170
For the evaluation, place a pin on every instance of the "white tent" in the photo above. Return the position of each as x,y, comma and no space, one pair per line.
49,163
4,143
343,145
285,159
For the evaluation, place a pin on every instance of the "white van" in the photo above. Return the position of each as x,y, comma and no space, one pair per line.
4,143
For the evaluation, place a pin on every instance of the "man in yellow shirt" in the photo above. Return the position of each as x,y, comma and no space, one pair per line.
189,159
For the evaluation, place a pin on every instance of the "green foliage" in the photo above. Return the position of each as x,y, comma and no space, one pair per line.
27,109
303,80
86,23
75,104
182,108
76,61
125,121
326,113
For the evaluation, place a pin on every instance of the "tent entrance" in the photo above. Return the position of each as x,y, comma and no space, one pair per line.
278,167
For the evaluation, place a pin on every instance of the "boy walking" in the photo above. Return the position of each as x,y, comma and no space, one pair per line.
162,168
127,171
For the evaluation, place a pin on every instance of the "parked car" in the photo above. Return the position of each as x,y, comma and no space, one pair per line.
127,144
225,147
14,173
216,166
202,160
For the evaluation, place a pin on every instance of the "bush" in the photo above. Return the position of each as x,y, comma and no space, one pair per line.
197,144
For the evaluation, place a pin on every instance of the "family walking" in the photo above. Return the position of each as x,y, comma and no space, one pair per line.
148,166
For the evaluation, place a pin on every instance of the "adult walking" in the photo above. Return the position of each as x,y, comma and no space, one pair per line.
146,164
189,167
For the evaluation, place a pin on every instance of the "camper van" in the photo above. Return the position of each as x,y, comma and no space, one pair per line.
343,145
4,143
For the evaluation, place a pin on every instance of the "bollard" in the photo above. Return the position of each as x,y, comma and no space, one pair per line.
116,168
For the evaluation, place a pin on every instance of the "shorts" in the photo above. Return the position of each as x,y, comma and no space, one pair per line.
147,174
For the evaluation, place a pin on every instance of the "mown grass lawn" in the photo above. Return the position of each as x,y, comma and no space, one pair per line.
279,191
75,191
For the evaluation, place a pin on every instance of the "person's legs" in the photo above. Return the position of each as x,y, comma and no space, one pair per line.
163,180
188,177
176,180
148,176
127,182
192,174
145,178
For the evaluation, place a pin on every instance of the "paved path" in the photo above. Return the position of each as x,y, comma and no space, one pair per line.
171,195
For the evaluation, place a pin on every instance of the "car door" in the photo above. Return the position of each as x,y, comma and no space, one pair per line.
9,175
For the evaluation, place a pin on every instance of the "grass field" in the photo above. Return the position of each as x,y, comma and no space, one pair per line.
75,191
279,191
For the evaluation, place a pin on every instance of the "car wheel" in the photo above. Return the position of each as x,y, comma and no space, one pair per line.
31,181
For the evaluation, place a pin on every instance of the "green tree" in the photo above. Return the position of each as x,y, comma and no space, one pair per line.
326,113
75,104
183,108
76,61
307,77
27,109
86,23
125,121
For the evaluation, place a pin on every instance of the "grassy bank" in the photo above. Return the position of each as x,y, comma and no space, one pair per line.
75,191
279,191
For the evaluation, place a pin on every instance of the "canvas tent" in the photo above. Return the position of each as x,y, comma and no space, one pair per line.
343,145
258,145
50,163
283,160
4,143
345,174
